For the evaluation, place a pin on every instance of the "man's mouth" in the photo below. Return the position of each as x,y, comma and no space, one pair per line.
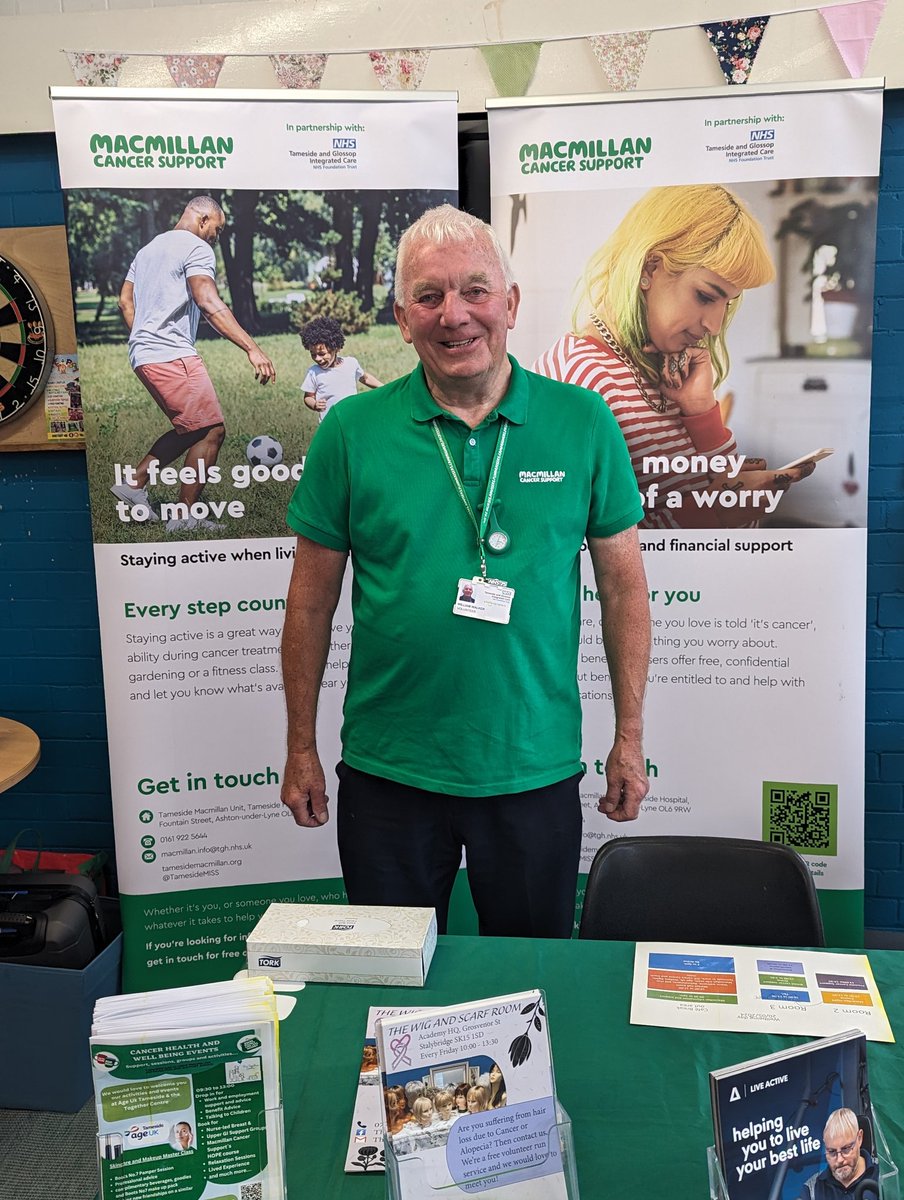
458,345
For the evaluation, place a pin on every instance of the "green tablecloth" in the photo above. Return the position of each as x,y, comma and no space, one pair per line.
638,1096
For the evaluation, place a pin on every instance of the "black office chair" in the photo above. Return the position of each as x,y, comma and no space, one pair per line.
701,889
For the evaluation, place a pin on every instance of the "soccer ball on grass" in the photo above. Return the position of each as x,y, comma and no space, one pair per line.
264,450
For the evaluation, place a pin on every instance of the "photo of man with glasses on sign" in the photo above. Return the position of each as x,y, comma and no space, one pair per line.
850,1170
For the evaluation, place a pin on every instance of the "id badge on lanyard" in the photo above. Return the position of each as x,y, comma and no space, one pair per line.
480,598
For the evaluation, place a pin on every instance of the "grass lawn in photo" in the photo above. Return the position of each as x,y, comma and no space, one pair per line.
122,422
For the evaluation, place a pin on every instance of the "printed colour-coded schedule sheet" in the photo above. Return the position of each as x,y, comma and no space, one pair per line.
758,990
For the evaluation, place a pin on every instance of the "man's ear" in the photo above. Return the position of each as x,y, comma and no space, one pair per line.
513,300
402,321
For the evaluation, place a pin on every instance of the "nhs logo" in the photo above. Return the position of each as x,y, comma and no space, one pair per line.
271,961
344,143
762,135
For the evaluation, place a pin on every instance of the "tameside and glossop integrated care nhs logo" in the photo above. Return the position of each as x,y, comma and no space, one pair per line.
762,135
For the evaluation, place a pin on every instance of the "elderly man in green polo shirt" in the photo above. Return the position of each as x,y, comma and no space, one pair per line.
462,720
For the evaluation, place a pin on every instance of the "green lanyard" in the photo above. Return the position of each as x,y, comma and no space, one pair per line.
492,483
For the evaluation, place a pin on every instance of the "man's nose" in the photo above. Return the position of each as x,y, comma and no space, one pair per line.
454,309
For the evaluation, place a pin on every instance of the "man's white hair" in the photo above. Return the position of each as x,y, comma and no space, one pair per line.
443,226
842,1123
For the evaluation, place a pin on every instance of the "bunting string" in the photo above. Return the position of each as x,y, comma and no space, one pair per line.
512,65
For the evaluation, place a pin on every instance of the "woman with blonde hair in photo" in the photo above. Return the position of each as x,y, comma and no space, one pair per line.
654,306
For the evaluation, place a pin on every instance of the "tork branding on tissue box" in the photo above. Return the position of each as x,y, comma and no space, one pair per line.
343,943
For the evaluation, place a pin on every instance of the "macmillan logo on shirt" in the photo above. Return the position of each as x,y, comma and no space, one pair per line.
541,476
595,154
142,150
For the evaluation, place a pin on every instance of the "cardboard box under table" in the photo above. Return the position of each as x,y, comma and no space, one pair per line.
46,1014
343,943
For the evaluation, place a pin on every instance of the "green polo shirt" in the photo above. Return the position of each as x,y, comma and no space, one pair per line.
439,701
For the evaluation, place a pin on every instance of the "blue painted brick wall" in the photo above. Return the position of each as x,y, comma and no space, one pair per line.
49,646
885,572
50,672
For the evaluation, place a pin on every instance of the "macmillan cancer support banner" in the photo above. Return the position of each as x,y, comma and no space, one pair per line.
316,189
755,705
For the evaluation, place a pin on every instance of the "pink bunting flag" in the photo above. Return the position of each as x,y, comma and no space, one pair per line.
736,44
94,68
621,55
853,29
400,70
195,70
299,70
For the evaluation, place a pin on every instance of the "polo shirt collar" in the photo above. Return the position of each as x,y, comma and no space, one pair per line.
512,406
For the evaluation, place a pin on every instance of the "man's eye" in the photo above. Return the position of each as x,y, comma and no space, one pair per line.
476,294
430,299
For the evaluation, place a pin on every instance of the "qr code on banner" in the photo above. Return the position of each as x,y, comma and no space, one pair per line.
252,1191
803,816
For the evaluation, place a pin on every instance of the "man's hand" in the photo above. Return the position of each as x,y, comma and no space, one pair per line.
626,779
264,369
304,789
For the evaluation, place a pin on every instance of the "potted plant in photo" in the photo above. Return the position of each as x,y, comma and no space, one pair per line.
838,268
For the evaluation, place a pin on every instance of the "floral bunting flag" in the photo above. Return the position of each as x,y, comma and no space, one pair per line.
736,44
400,70
621,55
853,29
195,70
512,66
93,68
299,70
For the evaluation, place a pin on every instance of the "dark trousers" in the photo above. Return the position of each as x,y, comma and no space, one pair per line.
402,845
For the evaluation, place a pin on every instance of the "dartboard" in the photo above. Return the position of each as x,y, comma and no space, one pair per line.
26,341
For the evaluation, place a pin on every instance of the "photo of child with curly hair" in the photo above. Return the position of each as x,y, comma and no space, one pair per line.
333,376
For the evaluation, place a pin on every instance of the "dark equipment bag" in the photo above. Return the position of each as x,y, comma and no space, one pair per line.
50,919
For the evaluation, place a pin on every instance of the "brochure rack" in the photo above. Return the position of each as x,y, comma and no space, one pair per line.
889,1188
405,1173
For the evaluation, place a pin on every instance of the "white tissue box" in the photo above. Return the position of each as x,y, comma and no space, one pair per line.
343,943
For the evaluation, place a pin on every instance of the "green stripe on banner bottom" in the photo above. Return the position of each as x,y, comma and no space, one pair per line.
174,939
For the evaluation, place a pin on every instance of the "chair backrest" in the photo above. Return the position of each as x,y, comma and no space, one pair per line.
701,889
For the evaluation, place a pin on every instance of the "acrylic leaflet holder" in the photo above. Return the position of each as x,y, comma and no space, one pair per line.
549,1168
888,1186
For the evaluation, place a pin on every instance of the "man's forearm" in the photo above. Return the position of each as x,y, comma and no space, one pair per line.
624,601
305,645
307,631
626,638
219,316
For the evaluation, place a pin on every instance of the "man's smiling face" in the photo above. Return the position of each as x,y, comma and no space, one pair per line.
457,312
